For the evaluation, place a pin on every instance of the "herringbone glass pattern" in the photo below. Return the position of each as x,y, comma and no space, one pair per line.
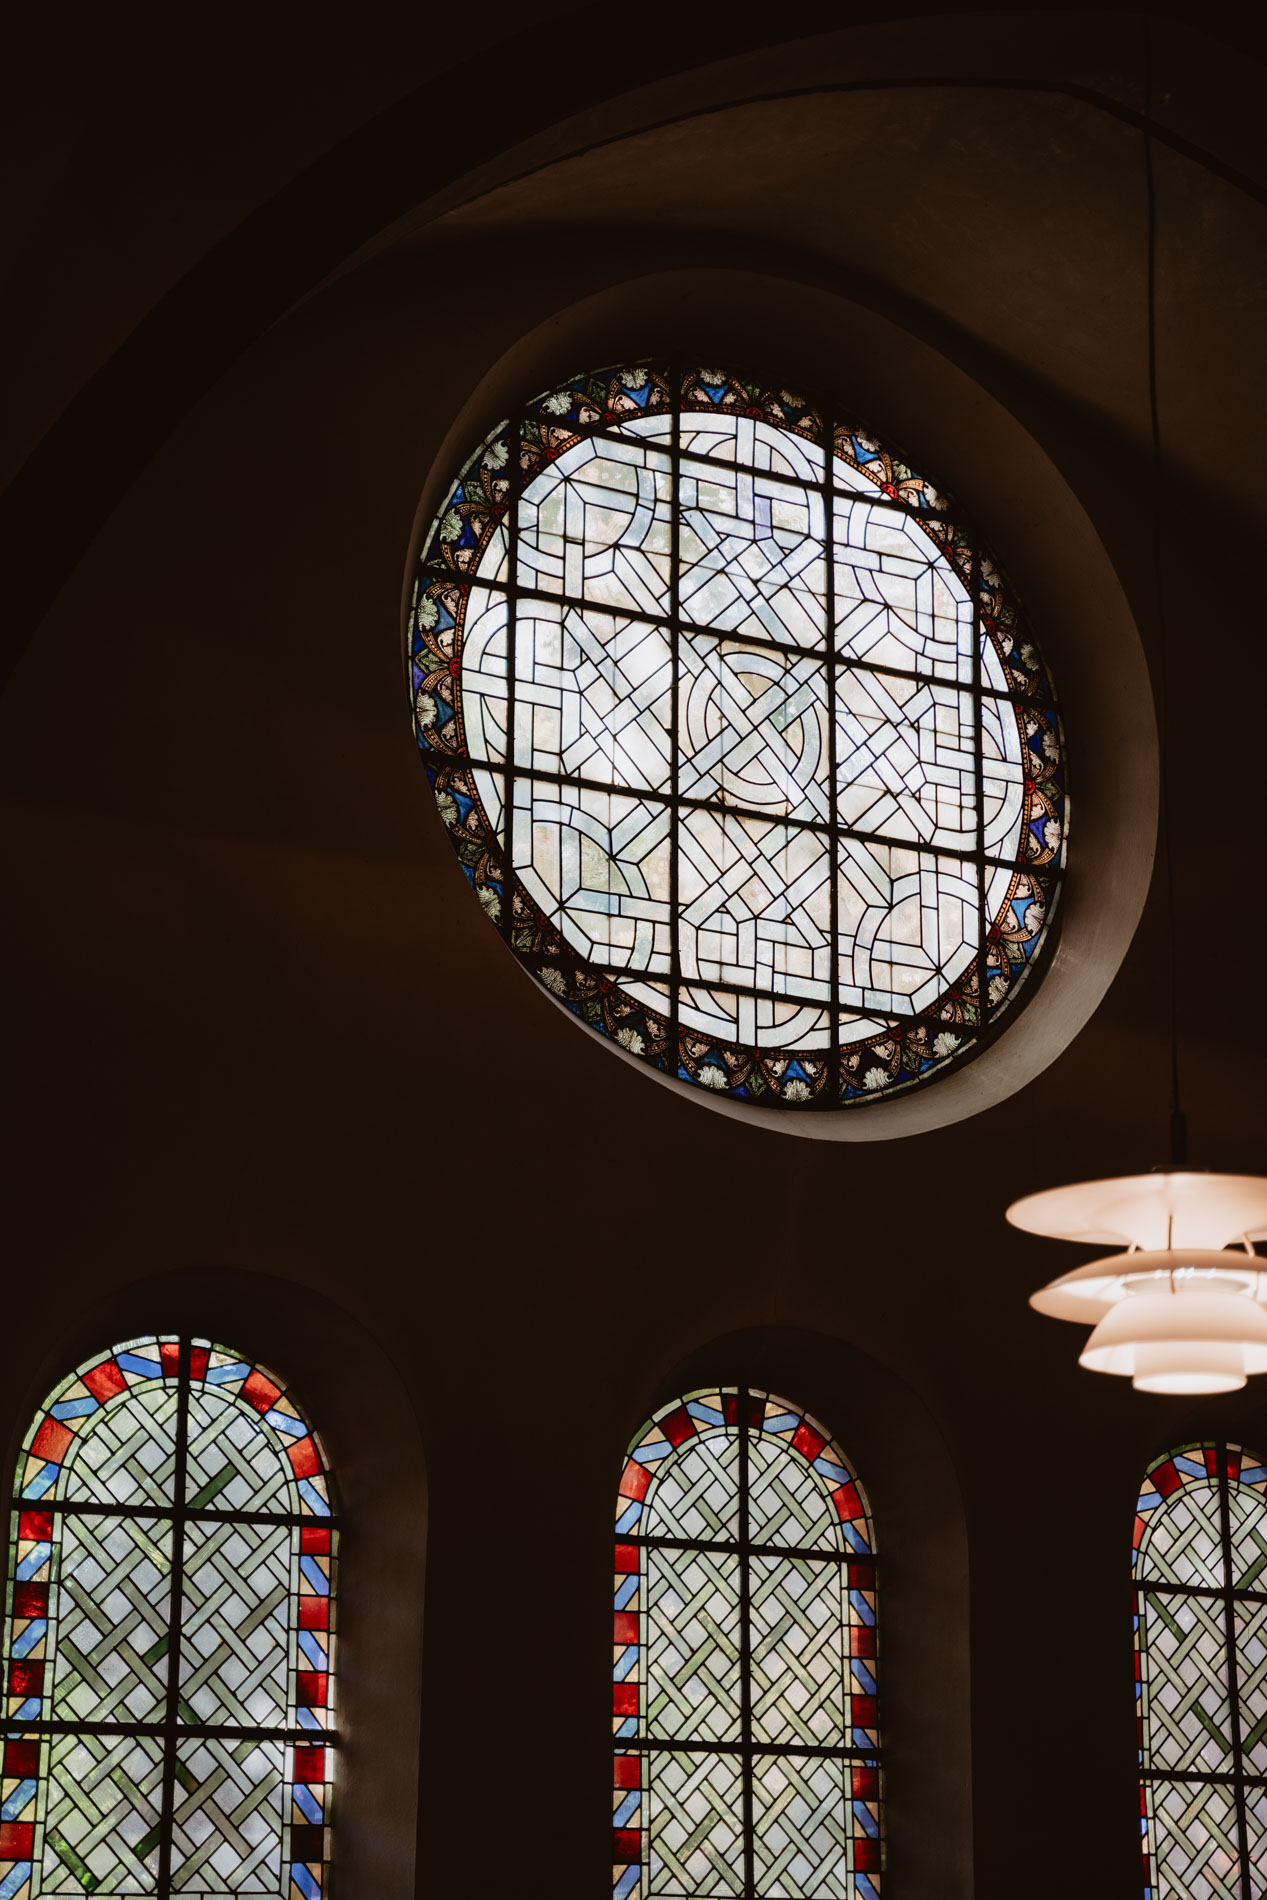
1251,1678
228,1819
1197,1853
102,1816
693,1688
195,1610
110,1620
787,1502
1186,1702
130,1458
698,1496
696,1826
801,1828
1201,1638
1183,1545
744,1638
1247,1512
235,1462
799,1667
236,1629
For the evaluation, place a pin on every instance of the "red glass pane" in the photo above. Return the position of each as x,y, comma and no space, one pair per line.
52,1441
260,1392
310,1765
303,1458
105,1381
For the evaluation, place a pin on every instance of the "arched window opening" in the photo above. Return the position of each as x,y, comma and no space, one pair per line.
747,1755
1200,1567
169,1714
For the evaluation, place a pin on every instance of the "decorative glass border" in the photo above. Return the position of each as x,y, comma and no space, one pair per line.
745,1414
912,1050
101,1388
1204,1463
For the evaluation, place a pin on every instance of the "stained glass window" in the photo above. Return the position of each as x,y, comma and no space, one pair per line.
747,1755
168,1722
741,736
1200,1565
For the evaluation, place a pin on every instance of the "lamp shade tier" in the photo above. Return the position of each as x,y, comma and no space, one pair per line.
1177,1209
1192,1341
1089,1292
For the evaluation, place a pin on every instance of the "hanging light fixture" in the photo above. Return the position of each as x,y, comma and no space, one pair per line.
1180,1308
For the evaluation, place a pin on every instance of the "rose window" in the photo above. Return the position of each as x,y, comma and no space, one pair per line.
740,736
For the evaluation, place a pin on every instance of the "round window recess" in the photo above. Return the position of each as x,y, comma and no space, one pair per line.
741,738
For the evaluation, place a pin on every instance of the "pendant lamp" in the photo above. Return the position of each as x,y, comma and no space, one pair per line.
1181,1306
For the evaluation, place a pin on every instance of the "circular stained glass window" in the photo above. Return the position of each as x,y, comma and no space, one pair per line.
740,736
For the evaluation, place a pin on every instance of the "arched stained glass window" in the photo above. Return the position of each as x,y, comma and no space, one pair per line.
1200,1566
741,735
169,1717
744,1706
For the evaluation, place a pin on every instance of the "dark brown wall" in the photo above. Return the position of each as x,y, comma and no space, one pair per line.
257,1021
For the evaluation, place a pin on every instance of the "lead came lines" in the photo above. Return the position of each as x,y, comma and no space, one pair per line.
747,752
745,1697
711,963
166,1585
1200,1684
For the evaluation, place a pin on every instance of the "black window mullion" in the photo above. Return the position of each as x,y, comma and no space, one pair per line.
745,1650
833,837
673,1056
803,1551
82,1508
514,485
983,966
685,801
176,1586
189,1731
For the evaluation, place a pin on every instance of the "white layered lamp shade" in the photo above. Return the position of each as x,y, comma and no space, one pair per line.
1183,1310
1185,1340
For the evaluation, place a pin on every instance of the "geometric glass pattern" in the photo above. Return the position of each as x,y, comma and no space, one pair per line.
168,1728
740,735
747,1758
1200,1568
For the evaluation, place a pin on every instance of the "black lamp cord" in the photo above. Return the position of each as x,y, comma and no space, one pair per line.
1178,1120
